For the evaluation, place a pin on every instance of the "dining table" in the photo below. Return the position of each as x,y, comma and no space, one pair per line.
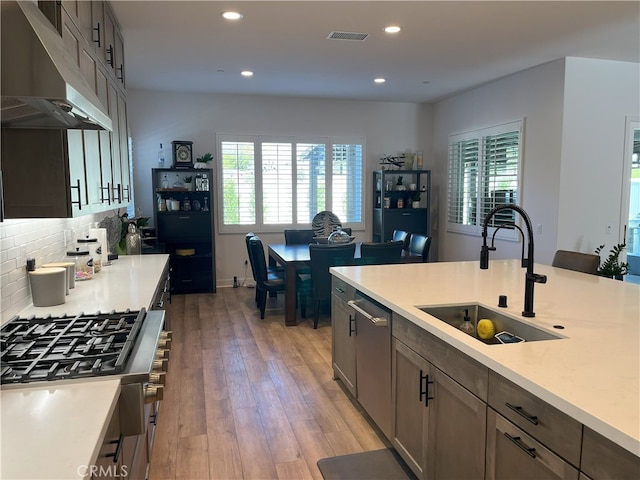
296,257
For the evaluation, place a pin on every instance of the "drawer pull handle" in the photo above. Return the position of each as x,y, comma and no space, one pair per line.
116,454
530,418
340,290
529,451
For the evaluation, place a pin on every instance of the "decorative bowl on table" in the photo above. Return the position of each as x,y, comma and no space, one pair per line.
325,240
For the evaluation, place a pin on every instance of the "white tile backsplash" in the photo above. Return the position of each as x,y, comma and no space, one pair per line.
42,239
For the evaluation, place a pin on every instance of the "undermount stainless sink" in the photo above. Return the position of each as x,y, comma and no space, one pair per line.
454,315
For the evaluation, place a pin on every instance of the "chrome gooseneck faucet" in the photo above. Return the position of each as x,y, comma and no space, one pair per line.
530,277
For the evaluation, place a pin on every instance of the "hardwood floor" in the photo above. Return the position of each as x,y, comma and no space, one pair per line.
248,398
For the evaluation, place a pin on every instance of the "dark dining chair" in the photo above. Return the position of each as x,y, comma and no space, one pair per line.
273,272
318,284
298,237
380,253
419,245
401,236
265,282
576,261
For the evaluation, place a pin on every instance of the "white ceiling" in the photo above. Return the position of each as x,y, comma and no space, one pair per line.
444,47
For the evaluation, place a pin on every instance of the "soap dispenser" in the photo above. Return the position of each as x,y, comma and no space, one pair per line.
467,325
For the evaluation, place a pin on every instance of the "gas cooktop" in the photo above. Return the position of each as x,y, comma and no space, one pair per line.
57,348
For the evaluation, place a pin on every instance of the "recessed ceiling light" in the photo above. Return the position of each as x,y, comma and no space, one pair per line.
232,15
392,29
380,80
246,73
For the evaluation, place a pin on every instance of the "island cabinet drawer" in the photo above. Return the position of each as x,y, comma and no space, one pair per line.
342,289
545,423
463,369
511,454
604,460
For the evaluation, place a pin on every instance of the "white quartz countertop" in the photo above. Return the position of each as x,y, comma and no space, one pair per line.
129,282
593,374
54,431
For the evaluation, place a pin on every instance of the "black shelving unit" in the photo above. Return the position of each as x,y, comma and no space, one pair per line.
187,235
393,209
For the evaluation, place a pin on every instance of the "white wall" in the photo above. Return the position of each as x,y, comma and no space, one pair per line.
42,239
536,95
599,95
160,117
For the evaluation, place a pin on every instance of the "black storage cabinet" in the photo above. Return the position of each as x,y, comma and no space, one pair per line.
182,231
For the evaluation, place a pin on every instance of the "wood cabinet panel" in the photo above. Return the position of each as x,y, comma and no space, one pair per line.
457,430
343,351
604,460
547,424
511,454
411,416
467,371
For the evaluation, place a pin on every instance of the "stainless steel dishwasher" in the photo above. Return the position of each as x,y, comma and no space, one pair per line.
373,359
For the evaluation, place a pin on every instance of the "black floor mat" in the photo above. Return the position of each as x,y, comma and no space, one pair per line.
382,464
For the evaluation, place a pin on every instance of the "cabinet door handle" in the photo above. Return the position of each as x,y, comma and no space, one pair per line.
118,194
110,56
530,418
121,76
352,325
126,189
424,391
116,454
108,189
97,30
528,450
79,202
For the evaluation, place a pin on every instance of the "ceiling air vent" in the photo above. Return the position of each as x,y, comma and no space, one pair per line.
347,36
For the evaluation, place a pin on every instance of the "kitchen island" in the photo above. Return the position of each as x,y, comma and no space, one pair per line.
54,430
592,374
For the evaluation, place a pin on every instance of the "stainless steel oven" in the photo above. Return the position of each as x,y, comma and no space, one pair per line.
129,345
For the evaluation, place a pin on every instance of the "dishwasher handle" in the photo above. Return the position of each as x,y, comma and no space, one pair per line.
377,321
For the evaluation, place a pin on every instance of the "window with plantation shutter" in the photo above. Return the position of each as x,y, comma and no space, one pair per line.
310,180
484,172
268,183
238,183
277,181
346,180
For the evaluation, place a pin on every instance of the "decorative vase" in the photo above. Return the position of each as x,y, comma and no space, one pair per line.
415,204
408,160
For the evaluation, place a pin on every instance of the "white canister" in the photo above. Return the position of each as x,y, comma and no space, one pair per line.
48,286
101,235
70,268
95,250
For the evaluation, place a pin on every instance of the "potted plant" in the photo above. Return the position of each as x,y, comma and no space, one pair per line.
188,182
612,267
415,199
203,161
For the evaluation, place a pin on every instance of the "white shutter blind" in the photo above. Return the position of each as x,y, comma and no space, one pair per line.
347,182
310,178
484,171
463,182
501,155
277,183
238,183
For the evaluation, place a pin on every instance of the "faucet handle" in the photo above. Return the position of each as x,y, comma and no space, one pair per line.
537,278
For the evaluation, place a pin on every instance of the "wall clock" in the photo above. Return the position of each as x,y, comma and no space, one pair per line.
182,154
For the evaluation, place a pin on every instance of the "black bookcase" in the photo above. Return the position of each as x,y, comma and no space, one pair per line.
394,208
187,233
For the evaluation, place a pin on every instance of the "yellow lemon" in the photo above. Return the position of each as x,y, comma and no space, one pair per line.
486,330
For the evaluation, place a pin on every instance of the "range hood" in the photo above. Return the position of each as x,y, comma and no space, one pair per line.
42,87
